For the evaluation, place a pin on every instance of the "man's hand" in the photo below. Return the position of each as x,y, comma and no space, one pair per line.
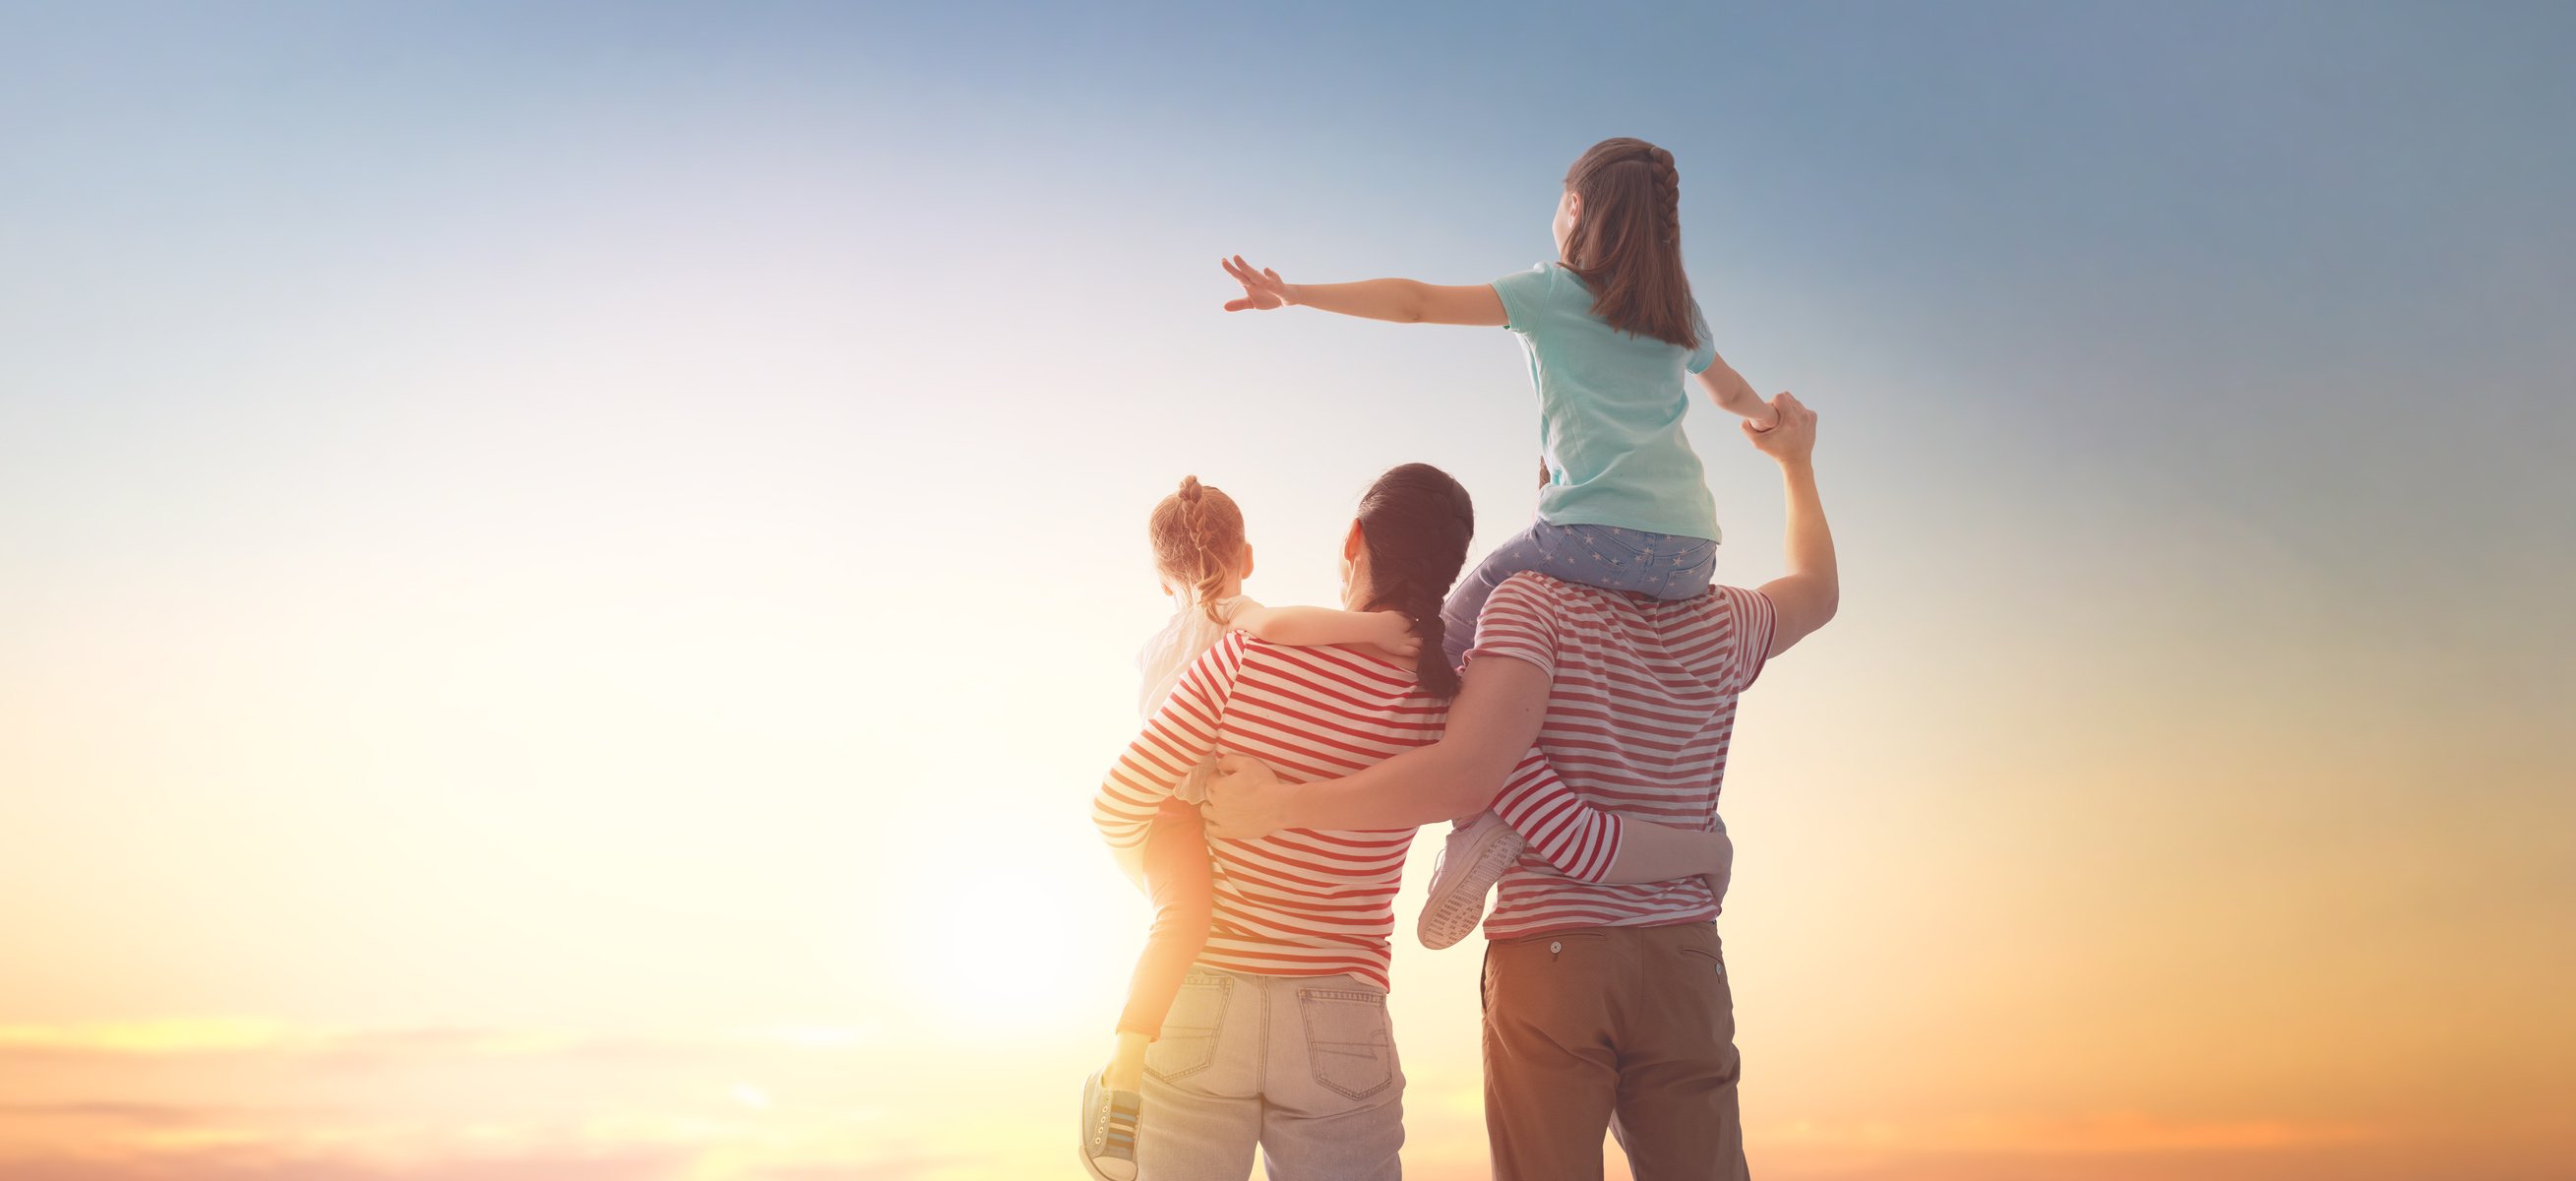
1791,437
1723,871
1246,800
1263,290
1807,596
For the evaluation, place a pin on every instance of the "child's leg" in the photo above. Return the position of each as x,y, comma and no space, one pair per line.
1467,600
1605,556
1183,887
1613,558
1690,565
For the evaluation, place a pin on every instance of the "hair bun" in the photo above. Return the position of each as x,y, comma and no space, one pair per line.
1190,489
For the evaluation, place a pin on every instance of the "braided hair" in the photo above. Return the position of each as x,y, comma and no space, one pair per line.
1627,243
1198,541
1415,521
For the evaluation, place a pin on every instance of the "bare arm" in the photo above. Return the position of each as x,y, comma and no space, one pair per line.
1735,395
1807,596
1311,627
1572,835
1401,301
1654,853
1587,843
1499,710
1492,724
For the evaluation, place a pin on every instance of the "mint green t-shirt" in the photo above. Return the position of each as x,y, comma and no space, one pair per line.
1610,409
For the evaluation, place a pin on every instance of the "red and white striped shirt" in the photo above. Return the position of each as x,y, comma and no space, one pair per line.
1641,706
1301,902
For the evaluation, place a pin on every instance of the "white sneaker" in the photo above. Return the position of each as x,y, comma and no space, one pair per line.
1469,865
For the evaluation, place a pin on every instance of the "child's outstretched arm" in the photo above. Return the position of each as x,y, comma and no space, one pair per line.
1402,301
1735,395
1313,627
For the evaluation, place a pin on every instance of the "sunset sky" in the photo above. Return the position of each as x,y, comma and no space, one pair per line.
567,570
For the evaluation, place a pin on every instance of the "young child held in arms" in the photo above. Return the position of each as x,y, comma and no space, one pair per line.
1202,559
1611,331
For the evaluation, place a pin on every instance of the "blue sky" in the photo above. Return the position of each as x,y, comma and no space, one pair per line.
639,452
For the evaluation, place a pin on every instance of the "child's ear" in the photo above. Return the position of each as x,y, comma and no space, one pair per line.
1246,572
1353,543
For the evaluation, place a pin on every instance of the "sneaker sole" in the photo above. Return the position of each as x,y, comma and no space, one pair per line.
1090,1169
1452,912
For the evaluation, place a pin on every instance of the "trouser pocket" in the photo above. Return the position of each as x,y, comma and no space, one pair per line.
1190,1031
1349,1040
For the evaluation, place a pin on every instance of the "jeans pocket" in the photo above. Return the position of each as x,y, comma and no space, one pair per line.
1190,1030
1349,1040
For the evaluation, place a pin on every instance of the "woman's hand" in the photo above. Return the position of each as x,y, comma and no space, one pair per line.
1262,289
1246,800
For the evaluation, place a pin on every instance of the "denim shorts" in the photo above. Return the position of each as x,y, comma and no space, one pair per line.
1606,556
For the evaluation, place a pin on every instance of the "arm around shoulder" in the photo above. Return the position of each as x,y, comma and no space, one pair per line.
1492,723
1311,627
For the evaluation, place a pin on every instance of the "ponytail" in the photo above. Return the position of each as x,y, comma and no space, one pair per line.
1420,607
1197,533
1416,522
1627,243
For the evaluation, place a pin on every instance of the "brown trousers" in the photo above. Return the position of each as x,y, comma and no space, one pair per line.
1635,1023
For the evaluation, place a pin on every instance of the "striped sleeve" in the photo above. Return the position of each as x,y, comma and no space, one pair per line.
1179,734
1755,622
1518,622
1576,838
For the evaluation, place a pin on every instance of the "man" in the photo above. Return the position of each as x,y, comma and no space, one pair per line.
1600,1000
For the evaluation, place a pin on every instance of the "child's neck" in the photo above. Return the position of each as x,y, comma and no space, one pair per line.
1232,586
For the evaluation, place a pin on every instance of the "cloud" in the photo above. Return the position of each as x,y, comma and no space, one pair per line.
259,1163
566,1158
167,1036
2123,1133
897,1169
189,1037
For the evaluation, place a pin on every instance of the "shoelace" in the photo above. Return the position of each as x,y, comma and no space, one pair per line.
1116,1130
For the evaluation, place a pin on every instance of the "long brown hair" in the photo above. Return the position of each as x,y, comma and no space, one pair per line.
1627,241
1198,540
1415,521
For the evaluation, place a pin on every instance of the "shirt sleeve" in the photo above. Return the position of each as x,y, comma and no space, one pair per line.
1173,741
1706,354
1755,622
1574,837
1523,294
1519,621
1569,833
